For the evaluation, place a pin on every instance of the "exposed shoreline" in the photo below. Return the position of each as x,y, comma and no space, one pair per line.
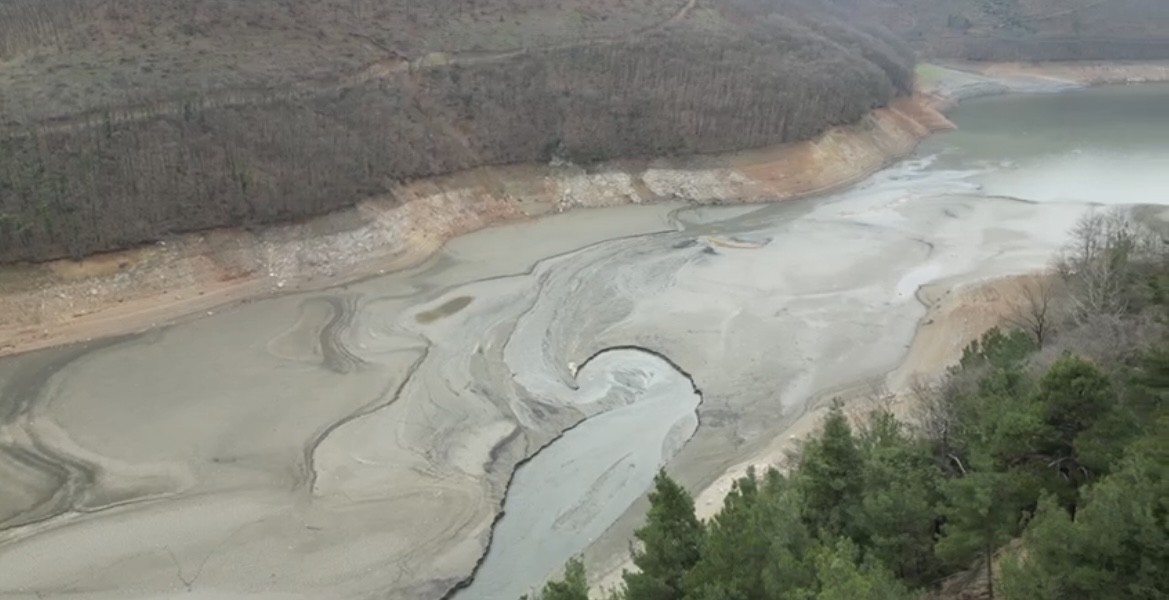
458,355
65,301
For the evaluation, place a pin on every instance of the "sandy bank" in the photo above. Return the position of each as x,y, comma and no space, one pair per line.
955,316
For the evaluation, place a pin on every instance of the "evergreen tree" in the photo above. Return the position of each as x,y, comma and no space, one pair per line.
734,550
998,360
1141,394
790,544
869,515
997,350
980,515
1153,373
756,547
670,544
1073,395
841,575
574,586
895,521
1117,546
830,477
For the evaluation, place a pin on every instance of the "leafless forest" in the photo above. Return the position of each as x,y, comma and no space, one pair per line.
116,177
123,121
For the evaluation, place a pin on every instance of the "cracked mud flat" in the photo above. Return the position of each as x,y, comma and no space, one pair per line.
359,442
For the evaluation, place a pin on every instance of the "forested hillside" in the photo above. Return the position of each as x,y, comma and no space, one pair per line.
674,82
123,121
1025,29
1037,469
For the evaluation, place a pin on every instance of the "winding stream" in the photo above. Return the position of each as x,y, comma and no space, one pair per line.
572,490
360,441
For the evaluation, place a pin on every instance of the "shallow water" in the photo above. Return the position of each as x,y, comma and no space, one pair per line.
570,492
1105,145
358,441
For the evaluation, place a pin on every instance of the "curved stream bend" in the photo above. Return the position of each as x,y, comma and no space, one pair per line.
572,490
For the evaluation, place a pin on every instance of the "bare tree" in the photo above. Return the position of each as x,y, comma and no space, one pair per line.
932,413
1099,260
1106,340
878,398
936,416
1034,308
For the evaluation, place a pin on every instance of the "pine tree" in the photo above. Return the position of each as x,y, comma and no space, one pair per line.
790,545
980,515
733,551
895,521
574,586
841,575
670,544
997,350
1117,546
756,547
1073,394
830,477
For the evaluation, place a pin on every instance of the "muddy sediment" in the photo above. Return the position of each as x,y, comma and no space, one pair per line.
567,494
362,438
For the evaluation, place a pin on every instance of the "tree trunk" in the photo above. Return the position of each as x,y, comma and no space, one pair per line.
989,572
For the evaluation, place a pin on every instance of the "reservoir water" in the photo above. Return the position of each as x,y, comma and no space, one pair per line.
359,441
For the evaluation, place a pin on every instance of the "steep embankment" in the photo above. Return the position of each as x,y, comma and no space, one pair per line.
64,300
